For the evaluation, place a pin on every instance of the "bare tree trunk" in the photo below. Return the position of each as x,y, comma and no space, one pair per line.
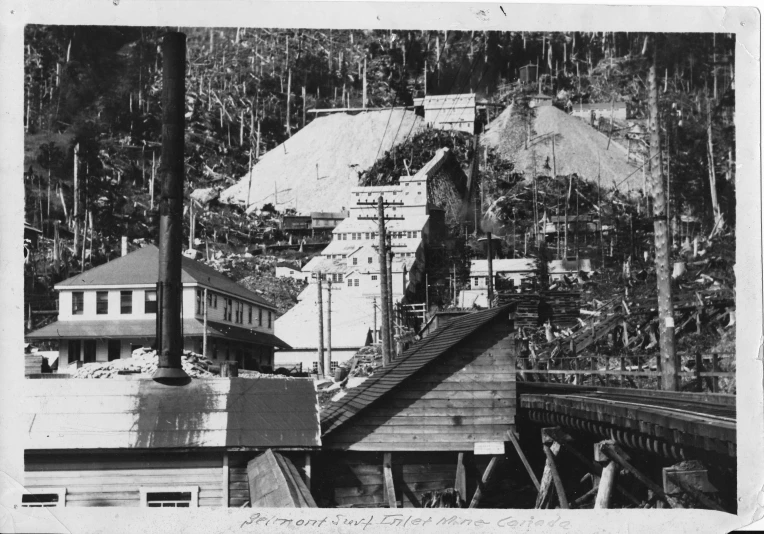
669,365
76,208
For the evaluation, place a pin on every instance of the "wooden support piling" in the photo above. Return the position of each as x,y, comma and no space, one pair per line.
484,482
460,484
521,454
389,486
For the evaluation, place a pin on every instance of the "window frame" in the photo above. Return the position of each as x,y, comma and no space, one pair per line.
146,301
145,490
81,295
61,492
122,294
99,302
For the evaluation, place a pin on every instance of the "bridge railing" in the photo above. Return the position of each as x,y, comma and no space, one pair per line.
709,372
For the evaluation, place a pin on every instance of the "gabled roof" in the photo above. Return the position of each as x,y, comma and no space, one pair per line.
386,379
142,267
143,414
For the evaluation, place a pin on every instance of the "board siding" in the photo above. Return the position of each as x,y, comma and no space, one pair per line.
116,481
469,394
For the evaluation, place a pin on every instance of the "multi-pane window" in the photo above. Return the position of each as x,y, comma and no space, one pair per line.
355,282
350,282
228,309
199,301
259,317
355,261
250,314
125,302
270,319
150,302
369,259
373,277
78,302
47,498
102,302
169,497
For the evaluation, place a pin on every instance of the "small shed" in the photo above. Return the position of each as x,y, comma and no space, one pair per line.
431,422
528,73
135,442
450,112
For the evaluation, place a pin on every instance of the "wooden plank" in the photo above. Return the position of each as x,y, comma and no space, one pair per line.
389,485
468,385
454,395
397,445
423,439
76,461
456,420
460,484
396,403
487,474
226,481
556,477
521,454
545,485
419,410
123,472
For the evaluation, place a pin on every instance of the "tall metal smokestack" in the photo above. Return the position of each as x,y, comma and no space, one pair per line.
171,176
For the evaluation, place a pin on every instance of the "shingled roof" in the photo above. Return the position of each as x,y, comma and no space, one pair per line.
142,267
385,380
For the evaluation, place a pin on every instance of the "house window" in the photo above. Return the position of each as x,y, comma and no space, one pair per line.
125,302
373,277
214,349
339,278
250,314
150,302
199,300
355,282
78,302
259,317
74,350
170,497
270,320
215,301
374,235
102,302
355,261
44,498
114,349
350,282
90,350
369,259
228,309
476,281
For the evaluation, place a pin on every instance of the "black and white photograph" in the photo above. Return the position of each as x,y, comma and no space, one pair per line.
351,269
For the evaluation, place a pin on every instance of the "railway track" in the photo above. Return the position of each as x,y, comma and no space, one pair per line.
675,425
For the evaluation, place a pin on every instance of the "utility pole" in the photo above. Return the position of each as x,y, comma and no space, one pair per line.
375,337
365,98
76,209
391,316
669,365
204,337
328,362
490,268
171,172
385,333
321,369
288,102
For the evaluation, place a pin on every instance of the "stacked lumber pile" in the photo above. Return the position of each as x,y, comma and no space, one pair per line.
565,306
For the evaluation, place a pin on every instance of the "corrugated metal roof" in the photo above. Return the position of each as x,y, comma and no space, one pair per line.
143,414
142,267
146,328
419,355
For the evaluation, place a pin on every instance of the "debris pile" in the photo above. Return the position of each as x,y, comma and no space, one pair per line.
144,361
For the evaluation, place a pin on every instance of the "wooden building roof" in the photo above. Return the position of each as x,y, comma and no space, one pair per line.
78,414
142,267
414,359
146,328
